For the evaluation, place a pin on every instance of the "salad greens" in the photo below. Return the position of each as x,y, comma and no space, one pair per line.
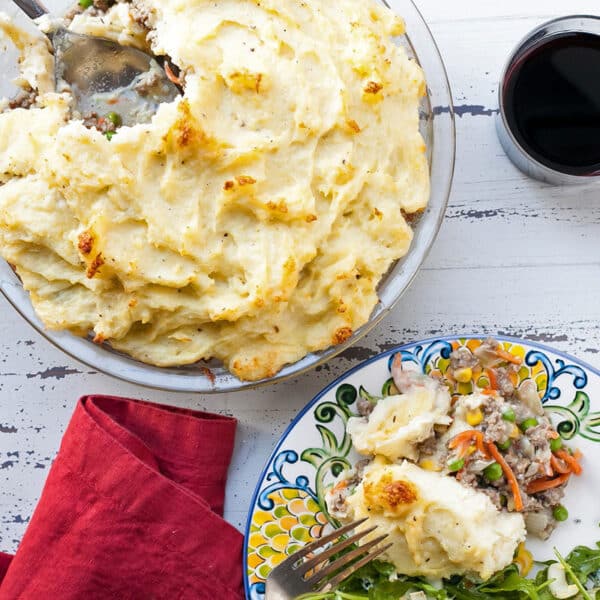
377,581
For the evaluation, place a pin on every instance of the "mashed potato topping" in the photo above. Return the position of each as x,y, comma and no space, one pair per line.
397,424
437,526
253,218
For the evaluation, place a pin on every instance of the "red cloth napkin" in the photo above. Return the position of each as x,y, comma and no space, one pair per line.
132,510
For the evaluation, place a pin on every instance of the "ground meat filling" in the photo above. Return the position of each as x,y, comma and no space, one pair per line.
97,8
75,10
429,447
496,428
523,440
529,459
103,5
364,407
94,121
462,359
503,376
337,501
26,98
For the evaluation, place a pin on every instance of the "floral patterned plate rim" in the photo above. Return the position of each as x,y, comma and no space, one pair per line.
288,509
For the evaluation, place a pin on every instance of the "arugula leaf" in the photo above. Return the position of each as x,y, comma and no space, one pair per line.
511,580
584,561
392,590
573,576
582,565
506,585
366,577
375,581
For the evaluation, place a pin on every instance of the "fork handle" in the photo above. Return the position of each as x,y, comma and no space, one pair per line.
32,8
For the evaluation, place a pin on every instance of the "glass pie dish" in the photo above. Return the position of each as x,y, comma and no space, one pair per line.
437,127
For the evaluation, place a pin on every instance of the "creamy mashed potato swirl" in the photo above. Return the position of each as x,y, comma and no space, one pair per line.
437,527
253,218
398,424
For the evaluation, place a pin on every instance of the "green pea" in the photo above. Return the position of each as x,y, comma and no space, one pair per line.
556,444
560,513
527,423
109,135
114,118
85,3
504,445
493,472
456,465
509,415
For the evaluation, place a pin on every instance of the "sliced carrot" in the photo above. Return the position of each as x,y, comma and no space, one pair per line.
465,439
463,449
462,438
515,360
480,443
176,80
558,466
574,466
492,377
545,483
509,474
488,391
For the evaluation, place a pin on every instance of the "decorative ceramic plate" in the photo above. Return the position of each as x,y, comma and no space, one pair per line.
288,508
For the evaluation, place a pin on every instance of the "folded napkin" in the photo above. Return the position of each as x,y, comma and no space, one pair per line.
132,510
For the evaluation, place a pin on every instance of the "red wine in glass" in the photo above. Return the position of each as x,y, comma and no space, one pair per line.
550,103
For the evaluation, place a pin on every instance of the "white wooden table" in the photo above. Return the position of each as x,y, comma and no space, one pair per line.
513,256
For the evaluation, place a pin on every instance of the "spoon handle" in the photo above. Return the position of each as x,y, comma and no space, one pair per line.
32,8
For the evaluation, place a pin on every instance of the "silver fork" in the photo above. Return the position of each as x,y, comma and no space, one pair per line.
293,576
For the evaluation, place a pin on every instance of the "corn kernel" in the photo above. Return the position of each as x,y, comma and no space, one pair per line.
471,450
474,417
515,433
463,375
429,465
523,559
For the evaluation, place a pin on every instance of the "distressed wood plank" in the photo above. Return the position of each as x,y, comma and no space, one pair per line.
491,12
513,256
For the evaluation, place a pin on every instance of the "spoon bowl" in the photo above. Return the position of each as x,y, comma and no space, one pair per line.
104,76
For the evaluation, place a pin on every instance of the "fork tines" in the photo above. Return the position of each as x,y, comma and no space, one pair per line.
351,560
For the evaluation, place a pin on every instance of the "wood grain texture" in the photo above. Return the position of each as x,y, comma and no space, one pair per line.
513,256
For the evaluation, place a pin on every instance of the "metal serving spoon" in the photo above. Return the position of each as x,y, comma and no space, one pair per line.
104,76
